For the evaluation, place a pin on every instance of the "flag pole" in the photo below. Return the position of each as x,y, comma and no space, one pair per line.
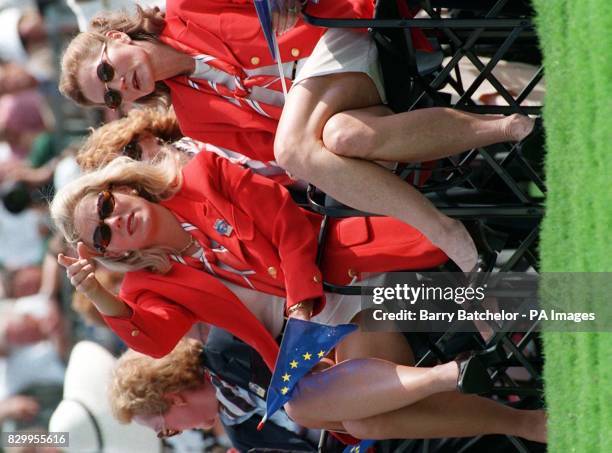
260,425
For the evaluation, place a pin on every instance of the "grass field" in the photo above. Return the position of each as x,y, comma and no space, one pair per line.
576,39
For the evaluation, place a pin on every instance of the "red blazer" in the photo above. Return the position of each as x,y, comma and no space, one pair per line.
271,235
230,31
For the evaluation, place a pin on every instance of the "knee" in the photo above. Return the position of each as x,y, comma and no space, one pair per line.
346,136
301,415
362,429
292,152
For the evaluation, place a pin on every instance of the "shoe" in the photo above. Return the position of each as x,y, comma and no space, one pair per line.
486,255
532,146
473,375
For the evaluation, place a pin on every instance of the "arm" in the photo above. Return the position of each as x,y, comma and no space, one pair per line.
154,326
81,274
151,324
276,215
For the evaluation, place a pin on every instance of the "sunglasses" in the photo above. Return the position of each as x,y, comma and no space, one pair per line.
106,73
102,234
166,432
133,150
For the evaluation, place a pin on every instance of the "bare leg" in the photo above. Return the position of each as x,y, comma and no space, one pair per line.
420,135
377,365
305,149
355,182
451,414
374,386
361,388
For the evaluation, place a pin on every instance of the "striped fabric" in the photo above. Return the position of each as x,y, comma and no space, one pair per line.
211,72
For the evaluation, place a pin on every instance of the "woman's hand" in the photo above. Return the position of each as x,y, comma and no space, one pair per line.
285,15
80,272
302,310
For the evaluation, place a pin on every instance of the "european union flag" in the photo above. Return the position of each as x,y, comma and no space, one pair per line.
304,344
361,447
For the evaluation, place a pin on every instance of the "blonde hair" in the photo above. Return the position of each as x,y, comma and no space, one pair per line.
105,143
146,24
154,181
140,383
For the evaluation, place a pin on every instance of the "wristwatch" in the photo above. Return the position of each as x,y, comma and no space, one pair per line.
298,306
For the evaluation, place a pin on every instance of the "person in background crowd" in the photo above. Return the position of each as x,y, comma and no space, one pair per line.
26,59
332,126
18,407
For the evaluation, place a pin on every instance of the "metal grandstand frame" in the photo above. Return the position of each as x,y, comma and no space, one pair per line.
497,172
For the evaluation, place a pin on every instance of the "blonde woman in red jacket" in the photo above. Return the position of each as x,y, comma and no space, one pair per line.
219,244
213,59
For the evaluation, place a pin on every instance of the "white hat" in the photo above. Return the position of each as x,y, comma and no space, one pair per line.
85,412
11,47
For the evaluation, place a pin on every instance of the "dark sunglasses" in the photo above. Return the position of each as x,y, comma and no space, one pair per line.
106,73
102,234
165,433
133,150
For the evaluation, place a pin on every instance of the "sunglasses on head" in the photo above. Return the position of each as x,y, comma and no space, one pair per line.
133,150
105,207
106,73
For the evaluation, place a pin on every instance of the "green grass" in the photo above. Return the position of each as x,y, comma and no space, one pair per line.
576,38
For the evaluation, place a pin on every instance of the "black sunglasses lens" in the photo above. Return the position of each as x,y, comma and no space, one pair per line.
105,72
102,237
106,204
112,99
132,150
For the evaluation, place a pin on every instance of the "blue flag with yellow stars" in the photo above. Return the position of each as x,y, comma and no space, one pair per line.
304,344
361,447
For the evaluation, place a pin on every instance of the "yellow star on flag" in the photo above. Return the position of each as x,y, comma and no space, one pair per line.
321,354
286,377
307,356
293,364
284,390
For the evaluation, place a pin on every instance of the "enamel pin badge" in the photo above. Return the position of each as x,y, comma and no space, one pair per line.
223,228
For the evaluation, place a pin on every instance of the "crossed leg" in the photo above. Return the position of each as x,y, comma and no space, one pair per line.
333,126
375,393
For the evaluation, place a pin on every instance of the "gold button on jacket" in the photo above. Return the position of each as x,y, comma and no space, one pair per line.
272,271
316,279
352,273
255,60
135,332
295,52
